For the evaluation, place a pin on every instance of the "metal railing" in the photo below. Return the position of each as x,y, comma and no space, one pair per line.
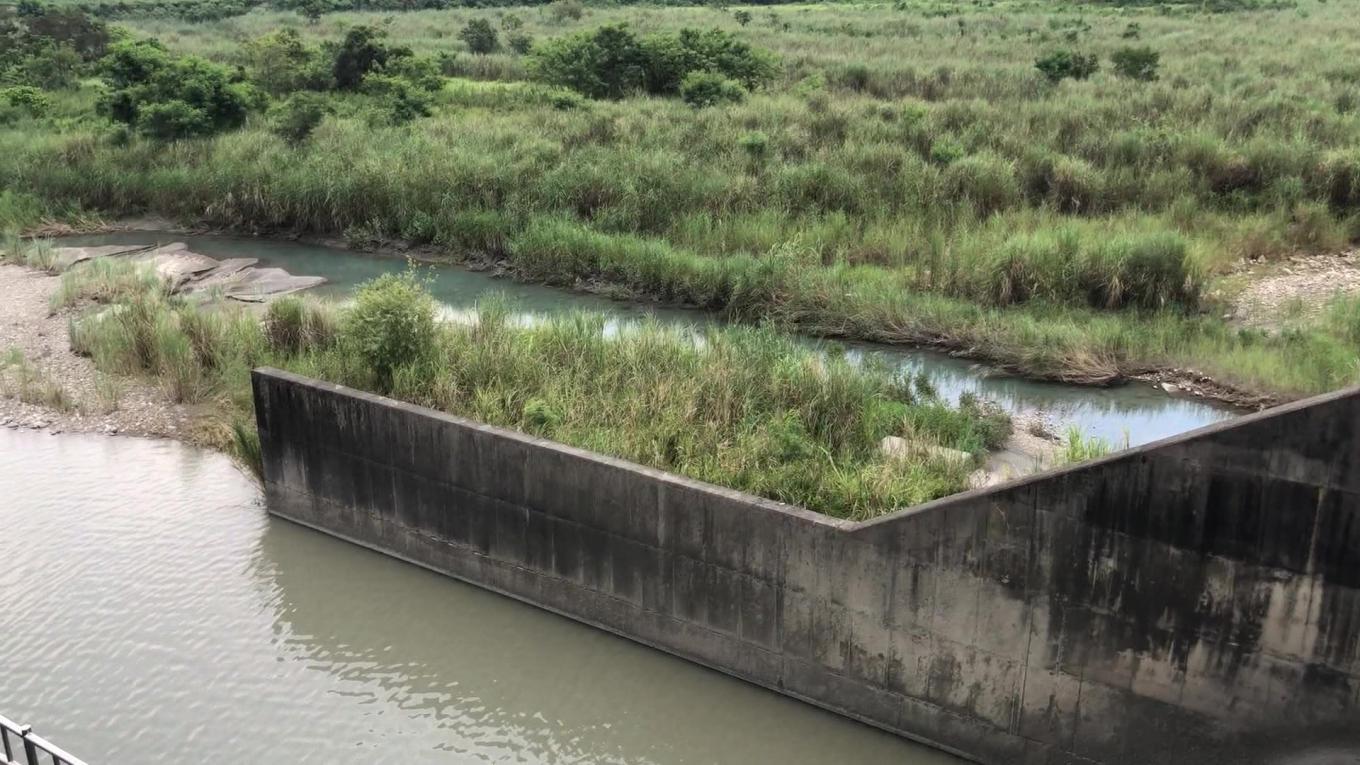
16,738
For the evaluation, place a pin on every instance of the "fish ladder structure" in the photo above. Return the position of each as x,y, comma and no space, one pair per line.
1196,600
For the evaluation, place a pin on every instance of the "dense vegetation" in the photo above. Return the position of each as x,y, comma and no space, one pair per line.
1060,189
745,408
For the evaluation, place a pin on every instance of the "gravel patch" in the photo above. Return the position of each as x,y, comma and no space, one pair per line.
97,403
1296,291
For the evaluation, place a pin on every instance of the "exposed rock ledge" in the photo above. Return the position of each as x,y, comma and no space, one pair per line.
189,272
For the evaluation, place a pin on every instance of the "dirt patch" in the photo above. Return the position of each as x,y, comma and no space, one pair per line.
1294,291
46,385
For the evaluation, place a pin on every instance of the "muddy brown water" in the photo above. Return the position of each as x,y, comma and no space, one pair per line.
153,613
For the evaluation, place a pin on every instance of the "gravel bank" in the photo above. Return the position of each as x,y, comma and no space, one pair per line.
89,402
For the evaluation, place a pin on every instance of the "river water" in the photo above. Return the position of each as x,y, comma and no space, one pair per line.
1133,413
153,613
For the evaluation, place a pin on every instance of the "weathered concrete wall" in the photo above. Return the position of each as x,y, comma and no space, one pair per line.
1193,601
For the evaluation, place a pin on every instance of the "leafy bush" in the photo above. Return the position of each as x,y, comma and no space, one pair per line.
26,97
566,10
296,118
281,62
167,97
700,89
391,325
168,120
519,42
361,52
480,36
1064,64
1136,63
743,17
606,63
670,57
399,102
611,62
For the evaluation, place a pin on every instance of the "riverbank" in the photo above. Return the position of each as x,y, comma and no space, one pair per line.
746,408
46,385
1175,381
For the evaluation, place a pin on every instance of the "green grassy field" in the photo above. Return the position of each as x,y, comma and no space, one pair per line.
907,175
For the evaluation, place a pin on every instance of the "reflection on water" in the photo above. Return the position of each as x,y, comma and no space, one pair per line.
1138,413
154,614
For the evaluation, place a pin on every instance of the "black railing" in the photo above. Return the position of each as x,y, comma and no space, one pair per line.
16,740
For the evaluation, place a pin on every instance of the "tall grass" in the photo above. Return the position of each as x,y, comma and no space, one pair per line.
915,178
742,407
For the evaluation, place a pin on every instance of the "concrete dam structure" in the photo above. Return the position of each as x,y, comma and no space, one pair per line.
1196,600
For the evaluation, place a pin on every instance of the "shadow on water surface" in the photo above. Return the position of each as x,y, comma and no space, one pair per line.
500,679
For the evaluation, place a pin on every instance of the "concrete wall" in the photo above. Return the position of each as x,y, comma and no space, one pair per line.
1193,601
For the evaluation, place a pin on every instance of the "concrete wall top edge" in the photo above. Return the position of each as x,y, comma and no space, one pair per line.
961,500
973,495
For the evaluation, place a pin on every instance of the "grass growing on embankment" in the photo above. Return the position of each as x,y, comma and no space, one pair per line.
740,407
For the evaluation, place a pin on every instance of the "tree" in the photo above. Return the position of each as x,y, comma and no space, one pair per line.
361,52
743,17
480,36
1136,63
1063,64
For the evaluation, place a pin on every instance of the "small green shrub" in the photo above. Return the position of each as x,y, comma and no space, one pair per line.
391,325
700,89
1136,63
520,43
295,118
756,145
480,37
28,98
282,62
1064,64
397,101
566,10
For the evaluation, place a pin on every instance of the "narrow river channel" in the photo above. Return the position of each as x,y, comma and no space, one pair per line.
153,613
1136,413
